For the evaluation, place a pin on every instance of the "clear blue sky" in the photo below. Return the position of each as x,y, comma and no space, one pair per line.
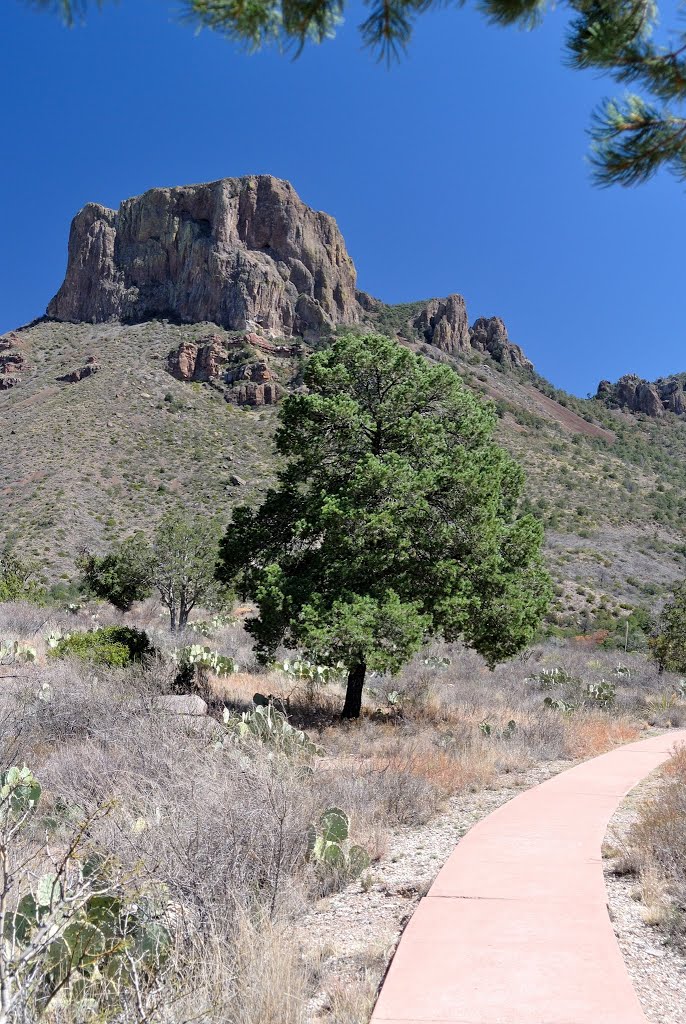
462,169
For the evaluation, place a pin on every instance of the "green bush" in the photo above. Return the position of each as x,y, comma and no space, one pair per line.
116,646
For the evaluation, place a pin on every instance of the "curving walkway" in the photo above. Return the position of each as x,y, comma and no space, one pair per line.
515,928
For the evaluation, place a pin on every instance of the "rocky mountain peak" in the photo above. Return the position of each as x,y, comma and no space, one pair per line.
244,253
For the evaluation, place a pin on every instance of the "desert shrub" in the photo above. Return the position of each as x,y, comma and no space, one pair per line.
115,646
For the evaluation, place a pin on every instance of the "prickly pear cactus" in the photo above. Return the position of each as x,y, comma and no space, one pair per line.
270,728
328,845
20,792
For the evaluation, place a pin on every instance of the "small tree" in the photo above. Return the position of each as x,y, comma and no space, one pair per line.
180,565
669,644
123,576
395,519
184,560
18,579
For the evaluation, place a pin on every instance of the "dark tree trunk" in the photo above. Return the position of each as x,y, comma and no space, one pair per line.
353,694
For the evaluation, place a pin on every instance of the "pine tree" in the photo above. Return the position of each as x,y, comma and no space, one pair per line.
396,518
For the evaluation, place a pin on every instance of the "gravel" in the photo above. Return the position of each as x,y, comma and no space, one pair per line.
656,968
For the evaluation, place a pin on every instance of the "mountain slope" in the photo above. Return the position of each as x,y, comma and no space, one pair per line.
187,314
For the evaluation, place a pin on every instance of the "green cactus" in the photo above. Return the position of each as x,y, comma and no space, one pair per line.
20,792
602,693
79,932
271,728
195,662
12,653
329,847
559,705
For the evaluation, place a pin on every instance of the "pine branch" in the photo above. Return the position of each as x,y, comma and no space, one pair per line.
632,141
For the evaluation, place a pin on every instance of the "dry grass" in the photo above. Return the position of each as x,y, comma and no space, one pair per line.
594,733
656,849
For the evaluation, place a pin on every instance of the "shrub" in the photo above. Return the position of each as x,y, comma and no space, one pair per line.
116,646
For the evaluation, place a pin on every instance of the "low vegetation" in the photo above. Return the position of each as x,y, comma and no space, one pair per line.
222,828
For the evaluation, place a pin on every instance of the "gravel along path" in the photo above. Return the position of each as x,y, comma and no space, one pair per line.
351,935
657,969
515,928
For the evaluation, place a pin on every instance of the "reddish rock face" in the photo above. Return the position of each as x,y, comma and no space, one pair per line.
258,373
182,361
198,361
239,252
77,375
256,394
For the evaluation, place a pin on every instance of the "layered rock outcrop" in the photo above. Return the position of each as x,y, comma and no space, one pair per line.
243,253
198,361
641,396
13,362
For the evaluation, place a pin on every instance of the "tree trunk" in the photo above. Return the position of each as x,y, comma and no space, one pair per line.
353,694
172,618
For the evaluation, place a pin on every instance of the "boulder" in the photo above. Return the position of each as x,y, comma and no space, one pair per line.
182,704
80,374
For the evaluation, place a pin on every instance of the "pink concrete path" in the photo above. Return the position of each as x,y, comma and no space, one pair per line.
515,928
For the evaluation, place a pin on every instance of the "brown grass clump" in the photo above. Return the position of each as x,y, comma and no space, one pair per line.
595,733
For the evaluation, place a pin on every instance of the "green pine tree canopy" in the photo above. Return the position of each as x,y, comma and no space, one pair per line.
632,137
396,518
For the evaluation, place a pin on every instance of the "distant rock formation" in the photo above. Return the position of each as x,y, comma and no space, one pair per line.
198,361
249,383
239,252
444,324
248,255
489,335
642,396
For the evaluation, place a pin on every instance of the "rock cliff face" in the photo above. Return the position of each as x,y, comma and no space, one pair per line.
443,323
248,255
243,253
637,395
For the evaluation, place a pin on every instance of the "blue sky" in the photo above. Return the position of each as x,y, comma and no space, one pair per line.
462,169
